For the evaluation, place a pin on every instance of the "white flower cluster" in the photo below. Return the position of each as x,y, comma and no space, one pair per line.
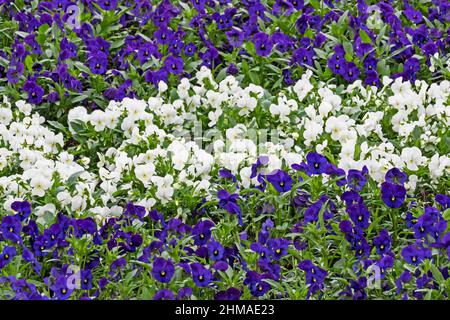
145,151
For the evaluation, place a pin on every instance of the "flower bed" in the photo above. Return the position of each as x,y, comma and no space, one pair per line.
219,190
224,149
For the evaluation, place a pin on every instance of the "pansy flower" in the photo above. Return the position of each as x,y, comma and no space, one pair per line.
356,179
190,49
278,247
260,162
86,279
393,195
382,242
263,44
316,163
424,226
202,232
229,294
174,64
443,200
146,51
164,294
7,255
107,4
315,276
201,276
362,248
263,251
356,289
34,91
60,288
281,180
415,255
215,250
255,281
228,202
163,270
23,209
11,228
163,35
116,267
98,63
386,262
395,176
359,214
351,197
412,14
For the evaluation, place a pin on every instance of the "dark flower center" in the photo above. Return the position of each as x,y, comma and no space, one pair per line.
422,229
313,271
97,66
42,248
6,256
392,198
163,37
11,229
85,281
316,165
282,183
360,218
414,259
63,291
174,66
360,251
200,278
216,252
278,251
53,237
33,94
370,67
350,73
202,236
337,66
382,247
260,288
163,273
263,46
263,254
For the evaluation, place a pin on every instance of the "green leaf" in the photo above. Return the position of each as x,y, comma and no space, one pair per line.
446,214
364,36
348,47
29,63
57,125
